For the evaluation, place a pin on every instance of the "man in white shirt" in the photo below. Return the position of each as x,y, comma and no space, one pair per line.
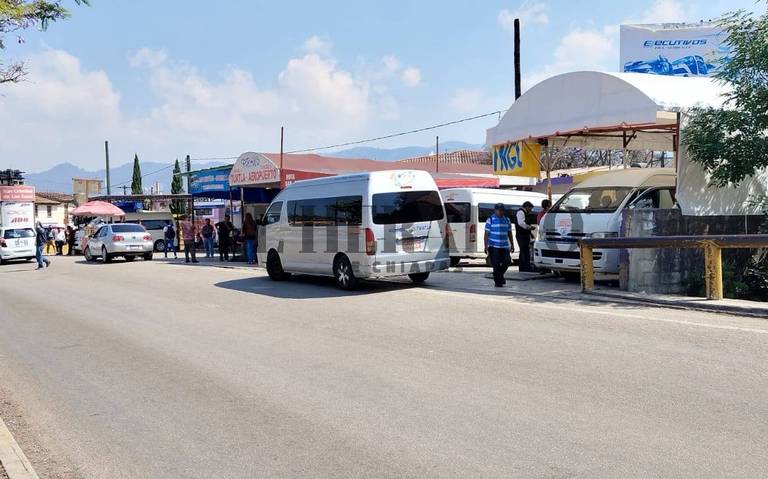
523,235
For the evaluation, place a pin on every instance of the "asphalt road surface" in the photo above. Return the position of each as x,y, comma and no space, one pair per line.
156,370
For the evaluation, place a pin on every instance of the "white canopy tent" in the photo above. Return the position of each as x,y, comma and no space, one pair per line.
631,111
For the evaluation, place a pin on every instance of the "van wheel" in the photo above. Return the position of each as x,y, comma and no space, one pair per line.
105,256
455,260
419,278
342,271
275,267
159,246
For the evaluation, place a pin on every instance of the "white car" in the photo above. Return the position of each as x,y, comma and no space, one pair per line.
17,243
119,239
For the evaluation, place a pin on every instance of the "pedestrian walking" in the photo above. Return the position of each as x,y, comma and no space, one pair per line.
188,234
545,206
250,230
523,235
224,231
41,240
60,238
70,240
169,233
498,243
208,232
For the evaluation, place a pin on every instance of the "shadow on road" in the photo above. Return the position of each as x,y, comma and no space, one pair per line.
307,287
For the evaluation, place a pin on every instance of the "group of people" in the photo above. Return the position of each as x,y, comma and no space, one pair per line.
224,231
499,242
56,238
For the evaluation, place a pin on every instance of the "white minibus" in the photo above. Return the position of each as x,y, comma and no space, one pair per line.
593,209
467,209
366,225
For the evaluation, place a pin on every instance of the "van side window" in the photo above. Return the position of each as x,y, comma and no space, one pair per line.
155,224
485,210
343,210
273,214
659,198
458,212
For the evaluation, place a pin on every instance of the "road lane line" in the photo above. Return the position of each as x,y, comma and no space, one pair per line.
15,463
596,310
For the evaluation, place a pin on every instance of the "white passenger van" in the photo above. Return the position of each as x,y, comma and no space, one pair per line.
367,225
467,209
154,222
593,209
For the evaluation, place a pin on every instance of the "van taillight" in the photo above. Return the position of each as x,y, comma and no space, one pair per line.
117,238
473,233
370,242
2,243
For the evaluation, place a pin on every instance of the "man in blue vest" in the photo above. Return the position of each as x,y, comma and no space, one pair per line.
498,243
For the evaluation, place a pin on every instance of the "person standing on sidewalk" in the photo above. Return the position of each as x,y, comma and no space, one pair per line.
70,240
224,230
169,233
523,235
60,238
498,243
208,232
41,240
188,234
249,233
545,206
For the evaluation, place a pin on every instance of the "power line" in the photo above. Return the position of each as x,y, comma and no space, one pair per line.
142,176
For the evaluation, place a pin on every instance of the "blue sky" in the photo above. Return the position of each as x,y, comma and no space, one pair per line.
164,79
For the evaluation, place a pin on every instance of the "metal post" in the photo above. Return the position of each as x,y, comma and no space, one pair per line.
282,132
106,154
189,191
713,271
587,269
518,86
437,154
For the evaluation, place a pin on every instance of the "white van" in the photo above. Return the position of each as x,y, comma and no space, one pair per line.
467,209
17,233
154,222
593,209
367,225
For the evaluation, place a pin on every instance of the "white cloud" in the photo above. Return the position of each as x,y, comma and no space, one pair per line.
466,100
315,44
529,13
596,48
391,64
411,77
66,111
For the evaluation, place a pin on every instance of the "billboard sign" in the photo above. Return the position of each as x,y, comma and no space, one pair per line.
517,159
674,49
17,193
253,169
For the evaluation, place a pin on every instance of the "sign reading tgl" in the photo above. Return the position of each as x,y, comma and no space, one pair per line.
517,159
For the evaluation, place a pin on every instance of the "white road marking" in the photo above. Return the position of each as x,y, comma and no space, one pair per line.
597,310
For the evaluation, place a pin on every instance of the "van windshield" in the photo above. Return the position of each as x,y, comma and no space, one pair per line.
406,207
592,200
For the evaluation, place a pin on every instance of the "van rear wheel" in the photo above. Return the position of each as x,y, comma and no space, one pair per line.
275,267
343,273
419,278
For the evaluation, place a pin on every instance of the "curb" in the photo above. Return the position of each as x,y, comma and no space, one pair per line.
12,458
709,307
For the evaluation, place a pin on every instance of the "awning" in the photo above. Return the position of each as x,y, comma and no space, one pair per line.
97,208
446,180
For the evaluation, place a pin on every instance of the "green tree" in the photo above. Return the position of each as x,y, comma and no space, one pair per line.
17,15
731,142
177,186
136,188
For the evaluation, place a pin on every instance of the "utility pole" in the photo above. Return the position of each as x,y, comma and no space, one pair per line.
106,154
437,154
518,87
282,131
124,187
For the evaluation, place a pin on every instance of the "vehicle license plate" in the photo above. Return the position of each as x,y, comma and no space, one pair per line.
412,245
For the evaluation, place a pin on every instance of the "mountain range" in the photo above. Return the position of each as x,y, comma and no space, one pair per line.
59,177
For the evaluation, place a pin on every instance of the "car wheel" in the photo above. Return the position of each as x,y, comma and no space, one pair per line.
455,260
87,253
130,258
343,273
159,246
419,278
147,256
104,255
275,267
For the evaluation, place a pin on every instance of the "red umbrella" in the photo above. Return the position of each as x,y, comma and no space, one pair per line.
97,208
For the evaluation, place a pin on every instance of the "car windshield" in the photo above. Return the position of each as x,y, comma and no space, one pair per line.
128,229
406,207
19,233
592,200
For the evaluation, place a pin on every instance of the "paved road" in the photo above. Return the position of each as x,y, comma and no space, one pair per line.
174,371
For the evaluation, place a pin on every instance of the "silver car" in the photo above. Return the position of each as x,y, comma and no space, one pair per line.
119,239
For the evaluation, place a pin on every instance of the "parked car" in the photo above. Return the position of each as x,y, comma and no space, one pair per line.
467,210
119,239
351,227
154,222
17,243
592,209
